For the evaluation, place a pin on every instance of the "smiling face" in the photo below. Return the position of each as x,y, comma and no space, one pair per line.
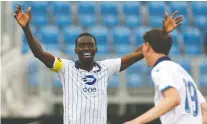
86,49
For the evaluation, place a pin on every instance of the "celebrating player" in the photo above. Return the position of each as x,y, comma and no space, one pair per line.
84,81
177,99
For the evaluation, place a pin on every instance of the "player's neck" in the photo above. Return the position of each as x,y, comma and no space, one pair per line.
155,57
86,66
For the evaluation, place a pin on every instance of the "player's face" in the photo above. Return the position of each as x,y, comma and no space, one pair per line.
86,49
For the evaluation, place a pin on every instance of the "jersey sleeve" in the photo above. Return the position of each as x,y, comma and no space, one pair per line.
200,97
163,78
59,64
113,65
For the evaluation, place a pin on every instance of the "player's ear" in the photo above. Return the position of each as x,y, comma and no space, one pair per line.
147,45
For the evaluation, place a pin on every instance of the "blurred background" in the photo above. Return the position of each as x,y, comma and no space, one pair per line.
30,91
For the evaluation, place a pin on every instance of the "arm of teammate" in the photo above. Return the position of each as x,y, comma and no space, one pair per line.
204,112
169,24
170,101
203,105
23,20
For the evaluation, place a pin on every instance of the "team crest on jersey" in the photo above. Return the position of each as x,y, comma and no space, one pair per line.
89,79
90,87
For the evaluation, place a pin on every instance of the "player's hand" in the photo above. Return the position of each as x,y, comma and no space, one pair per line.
22,18
169,23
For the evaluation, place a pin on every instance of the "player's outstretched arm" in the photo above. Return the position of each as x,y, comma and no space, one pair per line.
23,20
171,100
169,24
131,58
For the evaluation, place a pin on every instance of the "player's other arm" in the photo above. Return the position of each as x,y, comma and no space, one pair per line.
204,112
169,24
23,20
171,100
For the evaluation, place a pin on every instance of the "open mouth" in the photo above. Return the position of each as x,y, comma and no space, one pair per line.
87,55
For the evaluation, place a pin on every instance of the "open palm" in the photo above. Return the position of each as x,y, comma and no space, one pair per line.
170,23
22,18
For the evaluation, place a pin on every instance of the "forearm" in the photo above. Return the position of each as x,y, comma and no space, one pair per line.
204,112
32,42
130,59
164,106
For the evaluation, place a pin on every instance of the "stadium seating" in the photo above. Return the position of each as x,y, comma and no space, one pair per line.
62,21
71,33
131,8
201,21
203,67
88,8
134,80
203,80
193,50
114,82
180,6
121,35
155,21
199,8
156,8
109,8
132,21
192,36
39,8
110,21
87,20
61,8
49,35
122,41
40,20
175,50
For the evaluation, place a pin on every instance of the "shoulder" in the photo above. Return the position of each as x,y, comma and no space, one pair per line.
66,62
164,68
110,61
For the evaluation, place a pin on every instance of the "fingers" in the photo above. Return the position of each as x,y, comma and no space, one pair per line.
178,24
173,15
18,9
29,11
179,19
166,15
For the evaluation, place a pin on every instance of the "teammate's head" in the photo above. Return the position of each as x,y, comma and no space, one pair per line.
85,47
157,42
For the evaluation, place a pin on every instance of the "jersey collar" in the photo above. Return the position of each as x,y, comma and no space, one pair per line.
96,67
162,59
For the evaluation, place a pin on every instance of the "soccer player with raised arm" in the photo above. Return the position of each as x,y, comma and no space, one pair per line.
84,81
177,99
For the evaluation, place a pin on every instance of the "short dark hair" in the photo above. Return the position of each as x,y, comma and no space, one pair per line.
159,39
84,34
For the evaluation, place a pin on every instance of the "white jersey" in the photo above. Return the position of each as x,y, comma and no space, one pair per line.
85,93
170,74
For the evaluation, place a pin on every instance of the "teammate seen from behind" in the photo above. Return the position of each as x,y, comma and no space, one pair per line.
177,99
84,81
